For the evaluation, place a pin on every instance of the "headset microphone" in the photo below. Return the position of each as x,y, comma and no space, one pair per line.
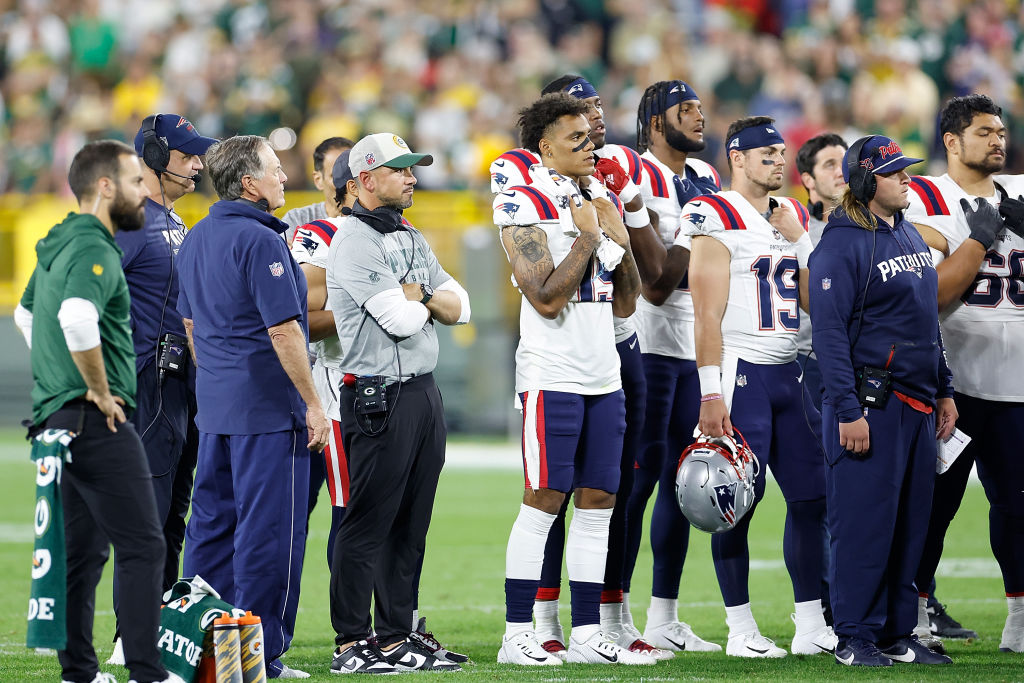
194,178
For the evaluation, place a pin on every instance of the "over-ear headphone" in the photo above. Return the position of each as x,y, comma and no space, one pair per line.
862,181
155,152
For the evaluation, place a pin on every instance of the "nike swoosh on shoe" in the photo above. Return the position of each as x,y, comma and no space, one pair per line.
824,649
846,660
681,646
754,649
613,658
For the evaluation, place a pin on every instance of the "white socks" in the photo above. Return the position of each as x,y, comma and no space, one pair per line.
525,552
740,619
662,611
611,617
586,545
809,617
546,614
924,627
627,615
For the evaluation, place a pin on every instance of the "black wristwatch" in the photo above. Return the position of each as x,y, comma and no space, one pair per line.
428,293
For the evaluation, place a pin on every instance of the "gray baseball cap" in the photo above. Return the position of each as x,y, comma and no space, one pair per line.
384,149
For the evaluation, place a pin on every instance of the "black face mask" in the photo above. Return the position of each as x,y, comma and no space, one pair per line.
383,219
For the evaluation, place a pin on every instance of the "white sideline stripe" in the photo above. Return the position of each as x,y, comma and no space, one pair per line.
16,533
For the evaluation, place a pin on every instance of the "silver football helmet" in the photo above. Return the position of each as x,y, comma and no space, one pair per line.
715,482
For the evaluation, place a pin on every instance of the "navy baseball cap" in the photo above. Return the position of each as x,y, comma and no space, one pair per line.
341,173
879,155
179,134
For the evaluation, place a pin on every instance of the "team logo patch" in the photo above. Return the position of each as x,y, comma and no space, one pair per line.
40,563
876,383
277,269
776,234
576,88
309,244
889,150
509,208
867,164
563,202
374,277
370,159
735,143
499,179
770,131
97,269
826,283
679,88
697,219
741,380
725,498
399,142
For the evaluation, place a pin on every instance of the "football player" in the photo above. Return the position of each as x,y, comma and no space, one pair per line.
747,270
571,259
979,256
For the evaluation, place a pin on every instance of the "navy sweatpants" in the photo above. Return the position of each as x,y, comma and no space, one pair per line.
247,532
878,509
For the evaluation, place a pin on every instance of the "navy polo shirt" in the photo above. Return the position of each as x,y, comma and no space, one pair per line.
148,267
237,278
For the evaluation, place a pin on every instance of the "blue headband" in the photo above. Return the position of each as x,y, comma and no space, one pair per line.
580,89
754,137
679,92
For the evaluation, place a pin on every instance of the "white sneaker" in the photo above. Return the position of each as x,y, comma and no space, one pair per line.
601,648
117,656
101,677
632,639
1013,633
552,639
288,672
524,649
754,645
679,637
815,641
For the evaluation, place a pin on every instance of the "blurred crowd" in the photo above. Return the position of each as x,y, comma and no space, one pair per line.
449,75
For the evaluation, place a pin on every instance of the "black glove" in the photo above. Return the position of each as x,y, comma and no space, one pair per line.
985,222
1012,211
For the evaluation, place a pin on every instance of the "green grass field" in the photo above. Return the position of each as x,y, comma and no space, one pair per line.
462,592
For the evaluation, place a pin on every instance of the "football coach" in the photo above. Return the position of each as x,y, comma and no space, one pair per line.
243,299
387,290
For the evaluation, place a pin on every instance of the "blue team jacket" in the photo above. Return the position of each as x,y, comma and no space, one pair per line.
900,325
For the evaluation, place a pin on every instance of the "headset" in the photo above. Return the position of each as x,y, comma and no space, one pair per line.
862,181
155,152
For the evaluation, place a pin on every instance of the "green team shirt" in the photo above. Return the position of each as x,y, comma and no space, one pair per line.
78,258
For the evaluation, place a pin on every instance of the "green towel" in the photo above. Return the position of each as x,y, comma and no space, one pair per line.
47,608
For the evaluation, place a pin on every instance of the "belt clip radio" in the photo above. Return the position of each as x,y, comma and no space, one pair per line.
873,387
173,349
371,395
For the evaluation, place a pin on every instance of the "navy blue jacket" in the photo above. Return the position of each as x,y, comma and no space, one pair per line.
237,278
900,324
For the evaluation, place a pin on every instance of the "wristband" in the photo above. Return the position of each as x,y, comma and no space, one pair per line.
707,398
637,219
628,193
803,250
710,379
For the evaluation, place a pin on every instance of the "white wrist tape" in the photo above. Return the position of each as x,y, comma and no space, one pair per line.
637,219
629,192
803,250
80,322
710,379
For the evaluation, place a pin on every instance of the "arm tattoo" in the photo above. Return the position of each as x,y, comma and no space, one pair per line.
525,239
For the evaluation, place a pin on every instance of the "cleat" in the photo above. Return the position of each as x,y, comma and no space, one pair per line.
600,648
636,643
425,638
860,652
753,645
288,672
945,626
524,649
933,643
813,642
117,656
910,650
678,637
409,655
1013,633
363,657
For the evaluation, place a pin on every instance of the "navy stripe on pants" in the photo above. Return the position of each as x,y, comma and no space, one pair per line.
247,533
878,509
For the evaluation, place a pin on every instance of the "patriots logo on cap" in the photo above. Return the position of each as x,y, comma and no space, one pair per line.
509,208
576,88
735,143
725,497
867,164
679,88
370,159
769,130
182,121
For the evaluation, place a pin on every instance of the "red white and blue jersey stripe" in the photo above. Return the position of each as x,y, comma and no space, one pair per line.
512,168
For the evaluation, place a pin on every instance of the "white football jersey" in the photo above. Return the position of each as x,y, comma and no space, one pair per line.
667,330
575,352
512,168
983,332
761,320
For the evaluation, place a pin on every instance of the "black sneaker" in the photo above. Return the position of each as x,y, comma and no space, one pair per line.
860,652
911,650
363,657
425,638
944,625
411,656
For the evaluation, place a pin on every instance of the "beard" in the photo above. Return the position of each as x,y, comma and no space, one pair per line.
988,165
770,185
124,215
678,141
399,204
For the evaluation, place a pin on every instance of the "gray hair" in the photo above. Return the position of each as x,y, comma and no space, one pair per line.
231,159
